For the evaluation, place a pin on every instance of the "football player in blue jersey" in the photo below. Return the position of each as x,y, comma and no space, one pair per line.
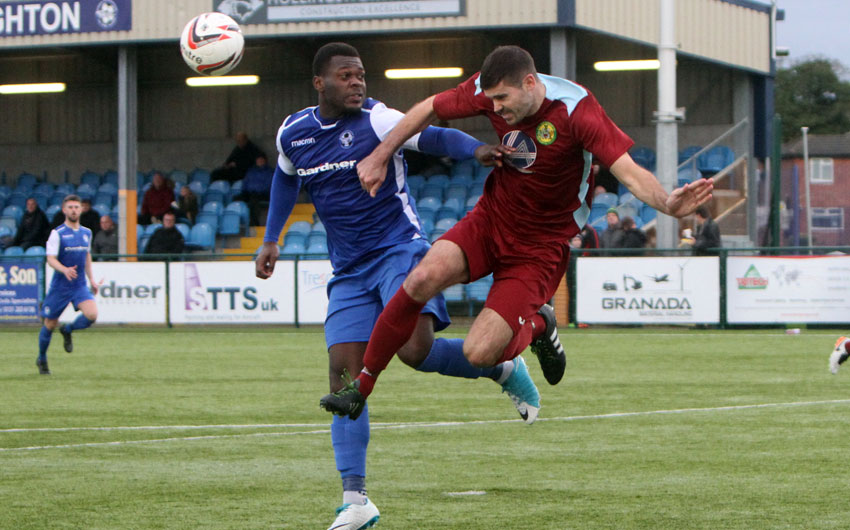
69,253
373,243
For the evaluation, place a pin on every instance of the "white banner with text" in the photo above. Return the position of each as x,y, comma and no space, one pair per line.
129,293
799,289
674,290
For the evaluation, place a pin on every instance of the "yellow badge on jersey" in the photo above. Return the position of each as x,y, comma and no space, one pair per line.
546,133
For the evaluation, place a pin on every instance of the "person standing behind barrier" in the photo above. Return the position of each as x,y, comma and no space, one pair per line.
106,241
706,234
69,254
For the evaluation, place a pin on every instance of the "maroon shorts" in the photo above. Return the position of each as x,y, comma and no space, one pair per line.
526,274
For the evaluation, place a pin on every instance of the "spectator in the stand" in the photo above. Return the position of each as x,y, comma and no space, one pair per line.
240,160
706,233
256,188
34,228
589,239
612,237
598,190
167,239
157,200
90,218
186,205
106,240
633,237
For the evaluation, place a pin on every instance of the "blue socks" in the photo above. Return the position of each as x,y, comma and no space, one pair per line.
350,439
43,342
446,357
81,322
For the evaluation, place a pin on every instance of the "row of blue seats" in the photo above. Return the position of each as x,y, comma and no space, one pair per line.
201,236
706,164
19,251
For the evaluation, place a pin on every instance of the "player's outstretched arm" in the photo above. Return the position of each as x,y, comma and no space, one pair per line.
643,184
372,169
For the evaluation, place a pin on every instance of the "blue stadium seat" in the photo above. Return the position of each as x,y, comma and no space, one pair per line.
5,231
464,167
209,218
108,188
688,152
200,175
439,180
318,248
628,210
102,208
236,188
104,198
142,243
482,172
231,223
318,228
240,208
185,230
214,196
607,199
34,251
432,190
9,222
198,188
5,191
312,239
111,177
455,293
65,189
715,160
295,247
415,180
300,227
13,210
17,199
471,202
477,291
687,174
428,204
647,213
178,177
598,210
445,223
219,185
151,228
91,178
600,224
86,191
213,206
42,200
427,225
436,233
295,237
26,180
644,157
45,188
14,251
457,190
201,237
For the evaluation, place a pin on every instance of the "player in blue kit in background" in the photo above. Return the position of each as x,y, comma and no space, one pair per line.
373,243
69,253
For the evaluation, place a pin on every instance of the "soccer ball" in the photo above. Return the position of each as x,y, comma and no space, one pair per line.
212,44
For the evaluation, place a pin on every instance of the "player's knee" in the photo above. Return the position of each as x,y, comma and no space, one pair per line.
479,354
422,283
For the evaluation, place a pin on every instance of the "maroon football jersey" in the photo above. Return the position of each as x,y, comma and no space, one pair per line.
545,190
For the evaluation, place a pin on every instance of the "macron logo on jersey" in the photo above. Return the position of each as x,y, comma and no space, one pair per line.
327,166
303,141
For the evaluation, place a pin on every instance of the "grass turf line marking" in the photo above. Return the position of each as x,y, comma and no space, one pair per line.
383,426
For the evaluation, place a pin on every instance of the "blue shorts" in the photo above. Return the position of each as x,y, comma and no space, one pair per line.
357,296
57,299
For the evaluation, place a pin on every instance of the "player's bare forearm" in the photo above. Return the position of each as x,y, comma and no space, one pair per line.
372,169
645,186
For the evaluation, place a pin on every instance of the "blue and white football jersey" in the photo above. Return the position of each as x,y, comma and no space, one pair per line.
71,247
324,155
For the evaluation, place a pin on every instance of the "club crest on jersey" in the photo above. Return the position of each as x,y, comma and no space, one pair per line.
546,133
346,139
526,152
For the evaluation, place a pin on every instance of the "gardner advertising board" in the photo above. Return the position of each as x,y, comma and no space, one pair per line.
674,290
129,293
799,289
230,293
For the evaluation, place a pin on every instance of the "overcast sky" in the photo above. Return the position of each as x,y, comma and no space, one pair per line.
815,27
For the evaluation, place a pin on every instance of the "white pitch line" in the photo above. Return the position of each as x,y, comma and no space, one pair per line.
378,426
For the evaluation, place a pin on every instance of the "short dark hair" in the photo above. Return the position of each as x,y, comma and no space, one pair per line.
506,63
703,212
332,49
70,198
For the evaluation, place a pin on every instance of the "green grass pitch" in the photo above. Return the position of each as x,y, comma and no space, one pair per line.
220,428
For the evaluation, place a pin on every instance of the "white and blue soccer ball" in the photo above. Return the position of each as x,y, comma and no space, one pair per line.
212,44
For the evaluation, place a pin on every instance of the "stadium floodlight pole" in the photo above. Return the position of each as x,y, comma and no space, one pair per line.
666,129
808,187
